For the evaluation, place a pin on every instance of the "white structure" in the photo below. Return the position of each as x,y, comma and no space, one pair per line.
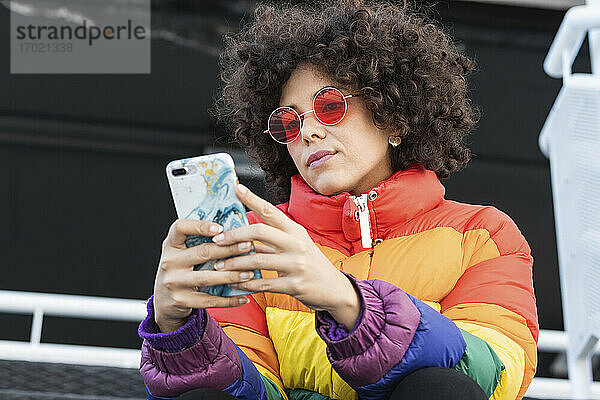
570,138
62,305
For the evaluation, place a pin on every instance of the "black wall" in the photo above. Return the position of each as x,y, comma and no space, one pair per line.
84,204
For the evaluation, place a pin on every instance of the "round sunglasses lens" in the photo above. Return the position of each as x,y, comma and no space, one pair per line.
284,125
330,106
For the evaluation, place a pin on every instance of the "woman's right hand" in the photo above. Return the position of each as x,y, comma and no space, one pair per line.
175,284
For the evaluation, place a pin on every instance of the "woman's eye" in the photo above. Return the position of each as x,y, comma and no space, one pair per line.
292,125
333,106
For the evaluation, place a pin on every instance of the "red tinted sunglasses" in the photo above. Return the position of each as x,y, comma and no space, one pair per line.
329,107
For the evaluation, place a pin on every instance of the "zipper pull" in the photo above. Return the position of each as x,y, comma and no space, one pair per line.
363,217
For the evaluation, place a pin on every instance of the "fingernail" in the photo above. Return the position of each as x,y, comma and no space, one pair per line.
246,275
242,189
244,246
214,228
218,238
243,300
220,265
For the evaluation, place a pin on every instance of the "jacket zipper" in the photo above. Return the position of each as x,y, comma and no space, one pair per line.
363,217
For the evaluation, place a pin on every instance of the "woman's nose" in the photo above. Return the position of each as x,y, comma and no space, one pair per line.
312,129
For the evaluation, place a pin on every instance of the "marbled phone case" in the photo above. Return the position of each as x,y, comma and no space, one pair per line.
207,192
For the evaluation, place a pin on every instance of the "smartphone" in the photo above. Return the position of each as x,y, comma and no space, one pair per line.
203,188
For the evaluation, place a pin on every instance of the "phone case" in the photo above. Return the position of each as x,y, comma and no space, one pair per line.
207,192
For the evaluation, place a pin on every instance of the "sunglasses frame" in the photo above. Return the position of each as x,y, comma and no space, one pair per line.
300,116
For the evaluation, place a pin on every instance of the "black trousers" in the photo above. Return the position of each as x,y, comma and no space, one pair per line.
424,384
438,383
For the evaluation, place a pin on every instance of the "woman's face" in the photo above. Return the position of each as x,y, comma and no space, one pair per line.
361,156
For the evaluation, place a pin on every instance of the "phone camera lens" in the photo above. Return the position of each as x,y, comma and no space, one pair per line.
179,171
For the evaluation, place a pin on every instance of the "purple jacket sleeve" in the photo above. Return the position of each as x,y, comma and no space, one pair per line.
197,355
395,335
178,340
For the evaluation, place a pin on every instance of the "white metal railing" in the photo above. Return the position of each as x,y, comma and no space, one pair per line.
62,305
42,304
551,341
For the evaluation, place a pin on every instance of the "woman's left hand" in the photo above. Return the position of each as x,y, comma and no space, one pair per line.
303,270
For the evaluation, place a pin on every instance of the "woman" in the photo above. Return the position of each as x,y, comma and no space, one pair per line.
374,286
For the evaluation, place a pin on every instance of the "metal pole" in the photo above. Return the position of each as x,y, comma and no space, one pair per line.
36,326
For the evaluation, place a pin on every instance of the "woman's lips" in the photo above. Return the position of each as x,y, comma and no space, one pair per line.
320,160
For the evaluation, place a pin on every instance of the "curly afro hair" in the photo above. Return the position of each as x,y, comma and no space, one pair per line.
408,72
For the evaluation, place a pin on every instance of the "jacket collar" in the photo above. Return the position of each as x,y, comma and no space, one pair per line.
403,196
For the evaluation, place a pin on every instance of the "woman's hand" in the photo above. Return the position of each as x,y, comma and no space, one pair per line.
175,285
303,270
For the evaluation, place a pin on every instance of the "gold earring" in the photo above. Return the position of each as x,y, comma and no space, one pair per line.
394,140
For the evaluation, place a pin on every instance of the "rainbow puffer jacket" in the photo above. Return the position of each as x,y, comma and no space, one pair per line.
441,283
